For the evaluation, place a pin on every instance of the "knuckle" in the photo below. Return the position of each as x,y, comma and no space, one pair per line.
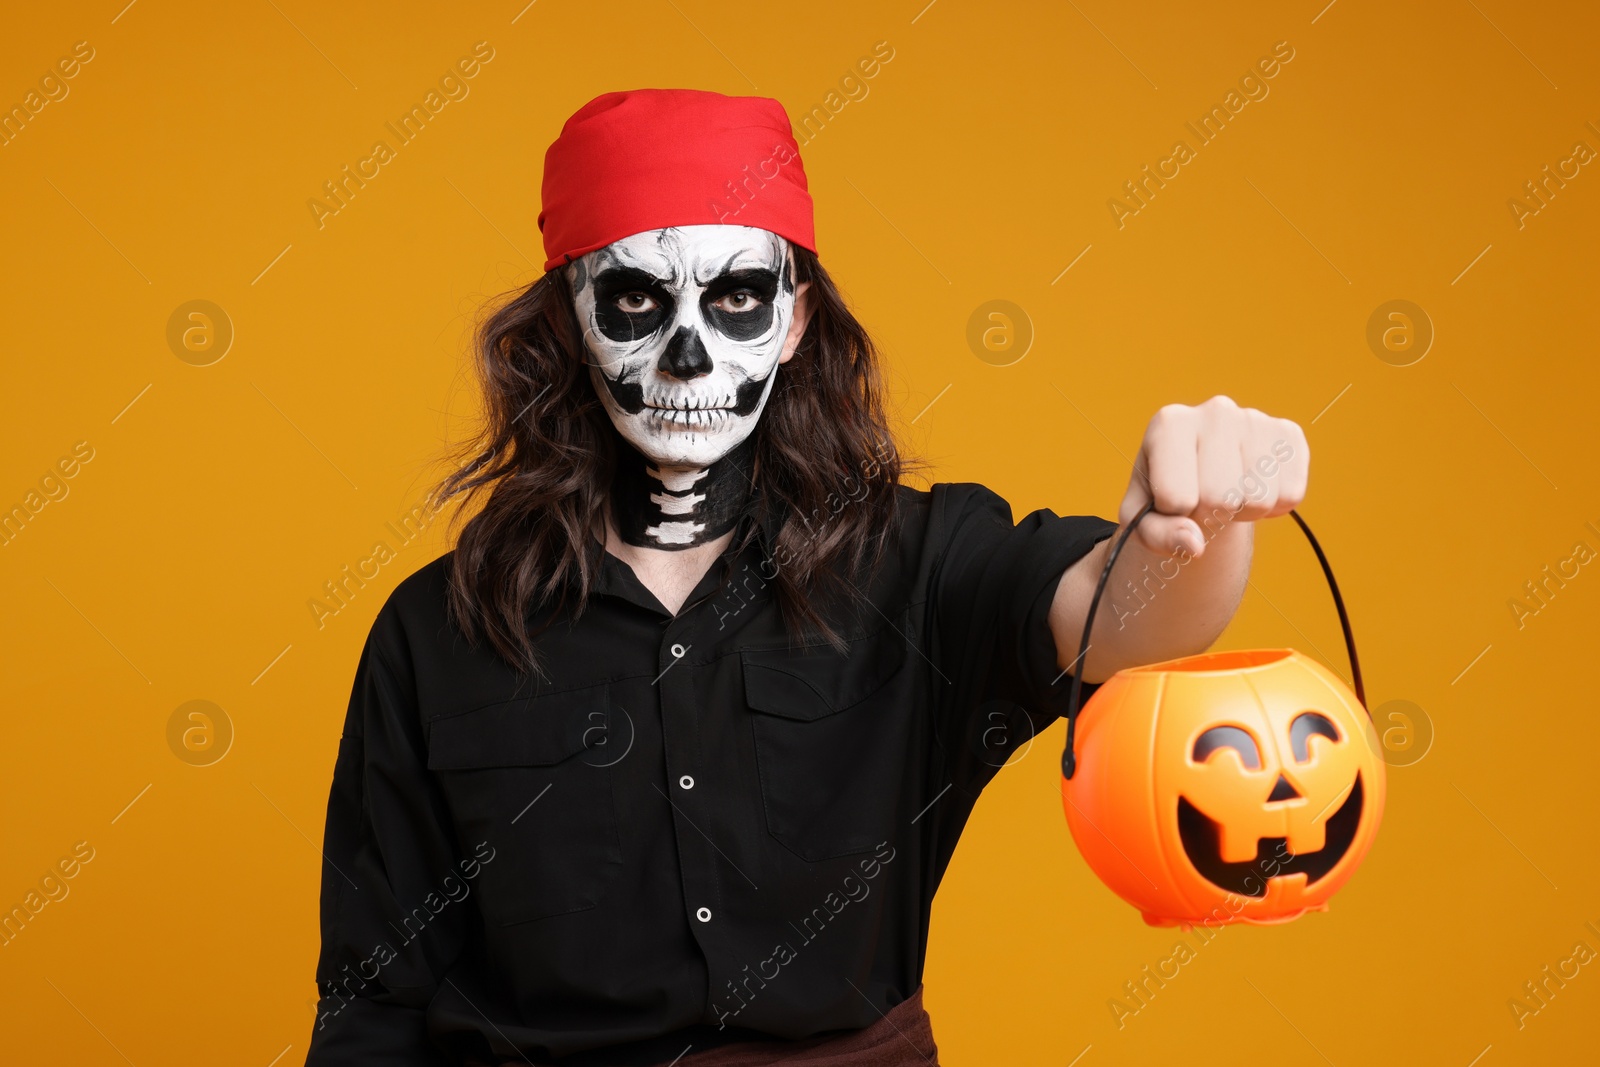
1176,501
1167,416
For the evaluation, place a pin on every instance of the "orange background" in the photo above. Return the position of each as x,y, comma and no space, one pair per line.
978,167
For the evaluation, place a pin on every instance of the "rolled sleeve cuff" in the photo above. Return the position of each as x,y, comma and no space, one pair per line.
1056,544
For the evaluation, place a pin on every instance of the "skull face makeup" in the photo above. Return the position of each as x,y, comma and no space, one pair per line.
686,326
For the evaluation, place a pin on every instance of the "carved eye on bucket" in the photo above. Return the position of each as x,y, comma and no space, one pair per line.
1229,737
1302,729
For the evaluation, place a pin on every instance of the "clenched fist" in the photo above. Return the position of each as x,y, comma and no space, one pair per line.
1209,465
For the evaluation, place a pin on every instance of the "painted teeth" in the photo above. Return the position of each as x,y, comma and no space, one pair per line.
692,417
692,403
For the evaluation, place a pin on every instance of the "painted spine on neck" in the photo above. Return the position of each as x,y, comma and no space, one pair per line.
676,507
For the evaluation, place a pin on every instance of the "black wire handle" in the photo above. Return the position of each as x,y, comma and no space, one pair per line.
1069,758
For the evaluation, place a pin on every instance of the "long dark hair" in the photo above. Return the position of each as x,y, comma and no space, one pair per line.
543,459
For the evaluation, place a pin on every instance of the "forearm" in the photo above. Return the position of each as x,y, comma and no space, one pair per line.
1156,606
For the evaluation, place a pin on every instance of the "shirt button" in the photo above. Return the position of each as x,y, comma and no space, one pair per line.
703,914
686,782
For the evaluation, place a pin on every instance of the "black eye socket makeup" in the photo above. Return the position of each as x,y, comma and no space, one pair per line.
758,280
612,287
745,324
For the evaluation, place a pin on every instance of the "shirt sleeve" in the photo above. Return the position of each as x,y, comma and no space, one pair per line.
390,861
989,599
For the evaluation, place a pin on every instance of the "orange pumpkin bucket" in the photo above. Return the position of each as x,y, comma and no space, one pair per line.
1226,787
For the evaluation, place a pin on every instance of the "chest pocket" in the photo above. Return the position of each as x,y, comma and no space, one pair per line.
834,739
532,777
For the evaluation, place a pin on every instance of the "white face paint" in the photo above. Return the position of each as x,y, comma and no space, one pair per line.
685,326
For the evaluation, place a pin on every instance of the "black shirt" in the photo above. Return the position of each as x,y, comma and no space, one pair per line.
690,832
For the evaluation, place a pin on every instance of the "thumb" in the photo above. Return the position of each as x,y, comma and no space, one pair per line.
1169,534
1163,534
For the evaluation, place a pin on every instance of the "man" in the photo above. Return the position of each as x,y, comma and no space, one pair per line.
665,761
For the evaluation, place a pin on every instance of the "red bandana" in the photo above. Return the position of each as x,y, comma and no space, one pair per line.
652,158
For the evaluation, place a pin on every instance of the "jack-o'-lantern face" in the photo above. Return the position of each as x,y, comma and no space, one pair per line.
1289,808
1237,786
